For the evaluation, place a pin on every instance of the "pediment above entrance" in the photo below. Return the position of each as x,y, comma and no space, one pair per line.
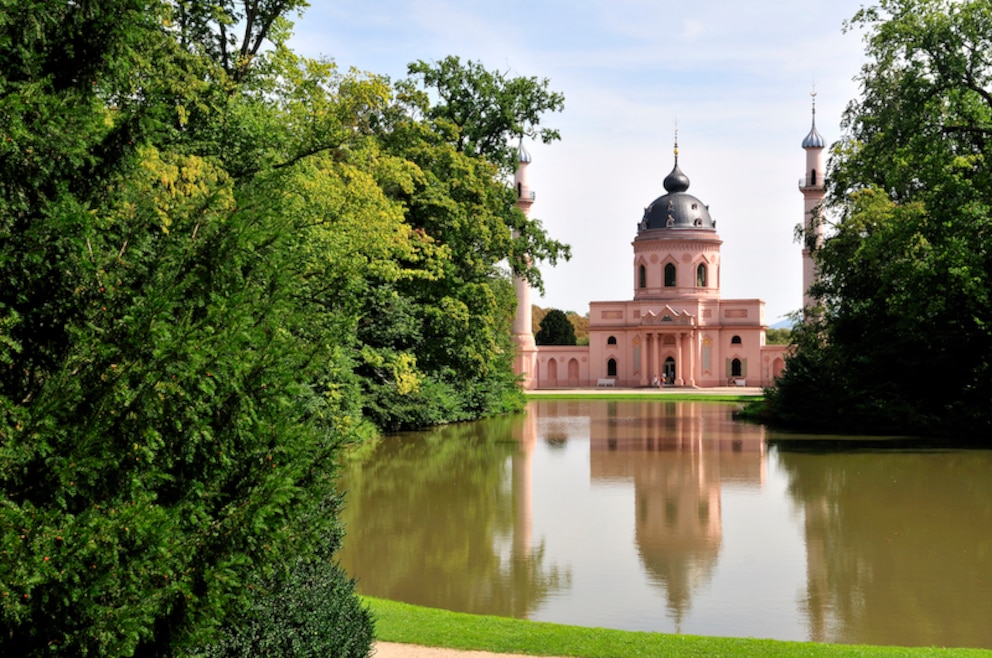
668,317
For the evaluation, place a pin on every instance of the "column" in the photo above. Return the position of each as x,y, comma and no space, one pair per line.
692,358
649,350
680,361
645,377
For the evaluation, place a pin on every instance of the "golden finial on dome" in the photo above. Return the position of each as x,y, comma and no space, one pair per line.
676,141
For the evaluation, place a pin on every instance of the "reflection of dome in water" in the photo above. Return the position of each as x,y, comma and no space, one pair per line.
679,573
678,526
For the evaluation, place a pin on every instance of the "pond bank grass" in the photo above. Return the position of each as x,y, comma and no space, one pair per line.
400,622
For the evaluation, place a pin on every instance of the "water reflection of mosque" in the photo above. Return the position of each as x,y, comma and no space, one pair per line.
678,457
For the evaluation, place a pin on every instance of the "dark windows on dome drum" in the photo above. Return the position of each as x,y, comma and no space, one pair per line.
670,275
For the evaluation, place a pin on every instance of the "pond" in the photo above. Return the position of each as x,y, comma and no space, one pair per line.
673,517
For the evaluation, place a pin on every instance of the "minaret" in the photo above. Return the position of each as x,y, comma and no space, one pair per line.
525,362
811,185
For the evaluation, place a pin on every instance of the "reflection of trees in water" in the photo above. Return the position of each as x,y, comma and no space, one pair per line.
425,515
899,549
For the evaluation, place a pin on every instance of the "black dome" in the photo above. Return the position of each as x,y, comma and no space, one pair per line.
677,209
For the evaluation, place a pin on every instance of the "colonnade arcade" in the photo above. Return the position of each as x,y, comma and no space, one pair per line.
669,354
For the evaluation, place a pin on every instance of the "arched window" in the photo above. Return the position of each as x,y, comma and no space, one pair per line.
812,177
612,340
642,277
701,275
670,275
611,368
736,340
735,368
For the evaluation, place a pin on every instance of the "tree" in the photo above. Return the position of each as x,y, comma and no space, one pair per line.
781,336
556,329
175,386
436,346
232,32
581,325
902,338
486,109
198,237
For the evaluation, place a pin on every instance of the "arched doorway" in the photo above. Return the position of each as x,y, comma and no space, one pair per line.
736,368
611,368
552,372
573,372
668,373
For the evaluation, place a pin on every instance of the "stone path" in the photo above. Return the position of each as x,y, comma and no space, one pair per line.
395,650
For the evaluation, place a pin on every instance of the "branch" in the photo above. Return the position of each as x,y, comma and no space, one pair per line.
306,154
249,45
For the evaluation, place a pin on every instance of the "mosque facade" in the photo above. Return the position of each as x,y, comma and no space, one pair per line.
677,330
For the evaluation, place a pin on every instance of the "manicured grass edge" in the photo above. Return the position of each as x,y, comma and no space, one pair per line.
409,624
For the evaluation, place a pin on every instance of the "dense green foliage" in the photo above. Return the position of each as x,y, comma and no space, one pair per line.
580,323
555,329
310,612
778,336
902,339
485,107
218,263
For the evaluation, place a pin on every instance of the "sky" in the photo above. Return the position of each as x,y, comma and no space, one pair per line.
734,76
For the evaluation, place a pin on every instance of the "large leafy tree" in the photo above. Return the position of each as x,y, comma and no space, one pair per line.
902,338
485,107
215,258
176,371
438,345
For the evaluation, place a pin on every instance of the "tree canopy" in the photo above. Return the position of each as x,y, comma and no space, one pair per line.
555,329
902,337
221,262
485,108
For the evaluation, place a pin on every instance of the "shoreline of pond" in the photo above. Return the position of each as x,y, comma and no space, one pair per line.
714,394
412,631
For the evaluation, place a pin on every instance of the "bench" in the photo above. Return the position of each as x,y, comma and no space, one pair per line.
608,383
740,382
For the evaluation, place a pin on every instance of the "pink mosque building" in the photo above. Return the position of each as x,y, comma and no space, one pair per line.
677,330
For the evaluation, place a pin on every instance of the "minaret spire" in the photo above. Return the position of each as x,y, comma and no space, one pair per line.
811,185
525,361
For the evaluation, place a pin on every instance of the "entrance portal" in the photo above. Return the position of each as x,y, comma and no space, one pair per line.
669,371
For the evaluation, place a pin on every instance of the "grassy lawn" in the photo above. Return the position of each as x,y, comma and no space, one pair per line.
399,622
